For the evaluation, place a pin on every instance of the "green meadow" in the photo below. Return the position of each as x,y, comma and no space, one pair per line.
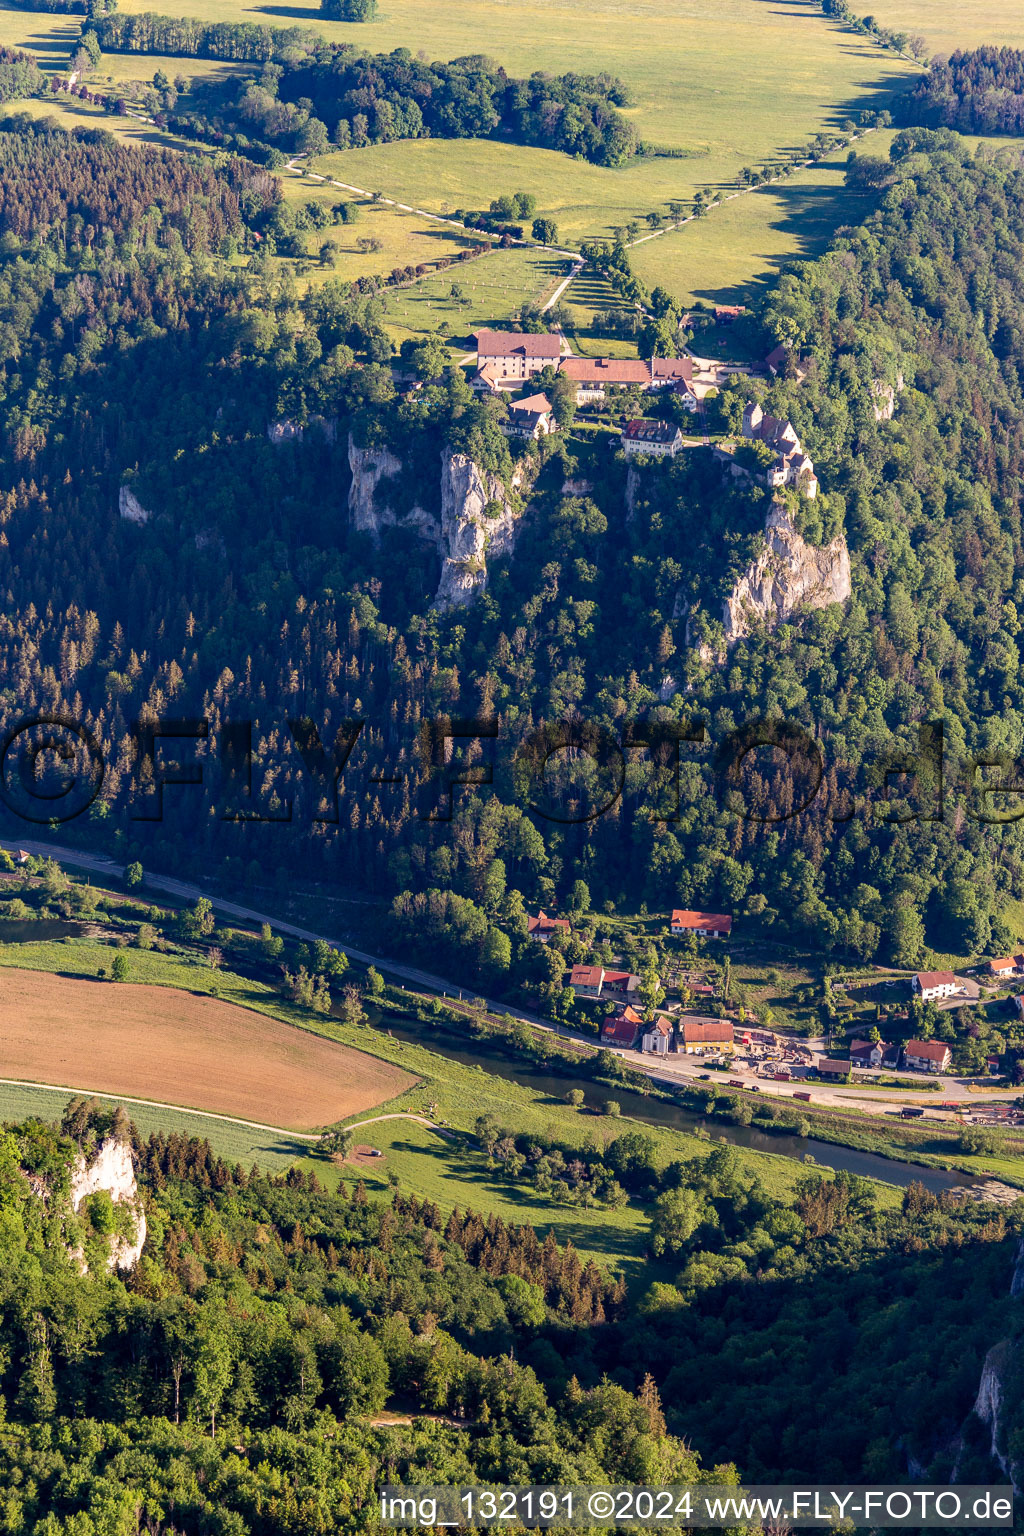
737,248
720,85
449,1169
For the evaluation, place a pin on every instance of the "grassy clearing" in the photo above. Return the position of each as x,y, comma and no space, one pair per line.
453,1173
407,239
495,287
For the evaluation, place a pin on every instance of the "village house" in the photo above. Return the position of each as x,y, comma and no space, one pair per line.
675,373
706,925
791,465
927,1055
838,1069
1011,965
777,361
543,928
587,980
506,359
529,418
661,439
657,1037
725,314
700,1034
872,1053
620,1028
929,985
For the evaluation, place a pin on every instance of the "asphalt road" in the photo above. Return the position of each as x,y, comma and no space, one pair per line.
668,1070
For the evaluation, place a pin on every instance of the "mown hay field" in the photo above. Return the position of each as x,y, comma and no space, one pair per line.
176,1047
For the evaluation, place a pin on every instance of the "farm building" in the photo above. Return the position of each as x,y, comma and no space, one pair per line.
508,358
825,1066
706,925
593,375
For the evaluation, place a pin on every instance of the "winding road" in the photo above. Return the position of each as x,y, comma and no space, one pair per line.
671,1071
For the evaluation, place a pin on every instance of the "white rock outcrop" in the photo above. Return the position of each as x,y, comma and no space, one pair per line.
112,1168
130,507
368,508
788,574
479,519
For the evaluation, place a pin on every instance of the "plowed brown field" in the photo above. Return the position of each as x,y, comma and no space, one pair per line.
171,1046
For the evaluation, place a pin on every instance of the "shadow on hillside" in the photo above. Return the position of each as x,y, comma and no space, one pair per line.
808,217
292,12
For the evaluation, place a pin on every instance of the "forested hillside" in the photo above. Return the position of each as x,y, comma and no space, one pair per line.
128,357
235,1379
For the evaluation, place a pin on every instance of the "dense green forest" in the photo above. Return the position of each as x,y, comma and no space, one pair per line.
315,92
249,593
979,90
230,1382
20,75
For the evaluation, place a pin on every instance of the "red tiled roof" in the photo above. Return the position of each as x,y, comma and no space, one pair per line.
544,924
586,976
537,405
931,1050
1009,963
926,979
606,370
622,978
619,1030
686,919
521,343
661,1026
707,1031
672,368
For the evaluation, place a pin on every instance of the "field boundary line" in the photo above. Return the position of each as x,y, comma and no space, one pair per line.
182,1109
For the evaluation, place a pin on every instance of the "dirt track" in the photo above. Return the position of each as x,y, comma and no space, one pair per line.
200,1052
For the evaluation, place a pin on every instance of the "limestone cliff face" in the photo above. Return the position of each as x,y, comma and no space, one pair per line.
787,575
478,520
368,507
130,507
112,1168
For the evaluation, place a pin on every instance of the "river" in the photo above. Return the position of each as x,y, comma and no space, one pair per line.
655,1111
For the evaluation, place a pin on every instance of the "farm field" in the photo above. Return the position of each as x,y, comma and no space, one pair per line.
721,86
170,1045
237,1143
965,25
728,255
